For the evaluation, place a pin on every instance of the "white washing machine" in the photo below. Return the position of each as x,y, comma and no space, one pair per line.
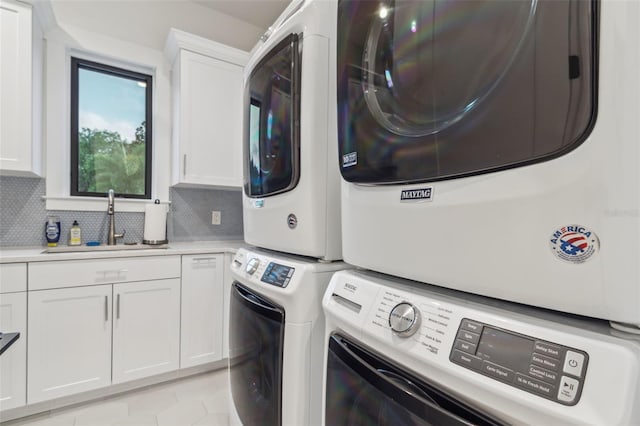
497,143
276,330
400,352
291,200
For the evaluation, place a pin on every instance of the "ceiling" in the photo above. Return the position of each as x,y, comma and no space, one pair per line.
236,23
261,13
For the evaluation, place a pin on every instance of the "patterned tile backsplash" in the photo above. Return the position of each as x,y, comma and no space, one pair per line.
23,216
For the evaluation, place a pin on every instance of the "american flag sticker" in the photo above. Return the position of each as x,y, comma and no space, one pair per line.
574,243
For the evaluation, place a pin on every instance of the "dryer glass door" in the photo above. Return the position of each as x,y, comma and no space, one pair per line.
256,338
271,138
365,389
436,89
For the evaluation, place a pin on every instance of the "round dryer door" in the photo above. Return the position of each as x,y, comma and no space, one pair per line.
441,88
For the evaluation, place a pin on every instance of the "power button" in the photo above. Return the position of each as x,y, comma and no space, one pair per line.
573,363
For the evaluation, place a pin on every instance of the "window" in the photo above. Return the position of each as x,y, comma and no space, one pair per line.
110,131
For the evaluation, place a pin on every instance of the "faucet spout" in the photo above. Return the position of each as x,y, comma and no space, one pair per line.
112,236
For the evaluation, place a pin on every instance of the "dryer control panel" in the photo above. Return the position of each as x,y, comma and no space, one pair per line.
550,370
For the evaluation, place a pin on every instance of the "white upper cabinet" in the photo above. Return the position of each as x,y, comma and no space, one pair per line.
19,154
207,91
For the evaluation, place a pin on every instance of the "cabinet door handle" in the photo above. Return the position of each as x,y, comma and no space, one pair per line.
184,165
118,307
106,308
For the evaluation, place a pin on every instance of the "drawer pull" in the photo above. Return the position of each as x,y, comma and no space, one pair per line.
200,260
117,274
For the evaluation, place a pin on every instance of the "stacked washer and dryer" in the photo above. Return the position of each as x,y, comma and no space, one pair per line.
291,208
490,195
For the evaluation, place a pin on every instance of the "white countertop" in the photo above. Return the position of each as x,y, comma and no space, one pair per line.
38,254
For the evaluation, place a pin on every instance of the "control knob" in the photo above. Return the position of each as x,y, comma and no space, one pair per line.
404,319
252,265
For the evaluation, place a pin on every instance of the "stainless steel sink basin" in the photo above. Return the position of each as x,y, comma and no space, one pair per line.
71,249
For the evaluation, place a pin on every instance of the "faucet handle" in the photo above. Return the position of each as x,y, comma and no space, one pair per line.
121,235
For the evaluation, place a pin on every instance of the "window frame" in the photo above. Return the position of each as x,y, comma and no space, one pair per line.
76,64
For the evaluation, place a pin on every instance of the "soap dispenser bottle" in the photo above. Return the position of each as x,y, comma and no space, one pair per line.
52,230
75,236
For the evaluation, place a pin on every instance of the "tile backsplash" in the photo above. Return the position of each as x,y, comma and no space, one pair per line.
23,216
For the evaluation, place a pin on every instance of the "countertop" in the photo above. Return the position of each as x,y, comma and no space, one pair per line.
37,254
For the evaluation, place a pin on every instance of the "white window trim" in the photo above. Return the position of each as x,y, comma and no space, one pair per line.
60,46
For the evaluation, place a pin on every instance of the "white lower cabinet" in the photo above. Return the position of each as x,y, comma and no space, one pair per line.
146,329
153,315
69,341
13,362
228,282
202,309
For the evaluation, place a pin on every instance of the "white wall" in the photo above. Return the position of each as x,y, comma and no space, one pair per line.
129,34
61,44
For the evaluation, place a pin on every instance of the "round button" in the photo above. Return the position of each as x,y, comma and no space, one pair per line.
404,319
252,265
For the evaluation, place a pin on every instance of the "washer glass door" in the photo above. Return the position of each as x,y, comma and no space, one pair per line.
256,338
365,389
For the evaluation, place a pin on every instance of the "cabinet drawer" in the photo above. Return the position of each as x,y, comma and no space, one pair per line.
73,273
13,277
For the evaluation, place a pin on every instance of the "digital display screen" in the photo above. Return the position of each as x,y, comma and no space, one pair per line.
543,368
276,274
508,350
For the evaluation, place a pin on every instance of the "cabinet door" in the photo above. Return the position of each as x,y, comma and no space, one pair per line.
13,362
202,309
15,86
210,135
228,281
146,328
69,341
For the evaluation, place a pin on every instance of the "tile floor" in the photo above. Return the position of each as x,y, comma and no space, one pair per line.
200,400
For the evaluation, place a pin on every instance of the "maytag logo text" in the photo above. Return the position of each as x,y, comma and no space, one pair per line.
422,194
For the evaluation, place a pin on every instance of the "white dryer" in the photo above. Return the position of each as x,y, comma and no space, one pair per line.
291,200
401,352
276,338
492,147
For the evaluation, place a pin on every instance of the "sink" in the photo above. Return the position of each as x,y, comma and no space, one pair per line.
71,249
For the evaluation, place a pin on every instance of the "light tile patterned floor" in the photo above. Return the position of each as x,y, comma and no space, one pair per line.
198,401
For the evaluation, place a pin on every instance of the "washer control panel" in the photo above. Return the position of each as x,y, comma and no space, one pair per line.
539,367
276,274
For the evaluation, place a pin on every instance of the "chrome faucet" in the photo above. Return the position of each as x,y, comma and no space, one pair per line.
111,238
